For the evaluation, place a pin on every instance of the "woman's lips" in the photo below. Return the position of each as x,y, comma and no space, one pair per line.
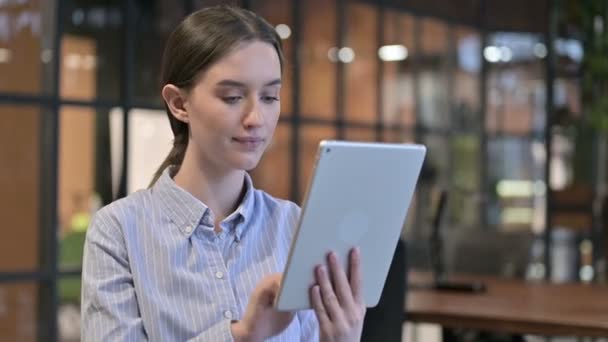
249,143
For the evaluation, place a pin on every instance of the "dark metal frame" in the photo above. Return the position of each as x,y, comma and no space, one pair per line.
550,36
48,274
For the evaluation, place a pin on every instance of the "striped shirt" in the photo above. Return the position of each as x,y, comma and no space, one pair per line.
155,269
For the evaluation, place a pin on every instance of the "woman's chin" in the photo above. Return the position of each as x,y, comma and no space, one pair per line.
247,163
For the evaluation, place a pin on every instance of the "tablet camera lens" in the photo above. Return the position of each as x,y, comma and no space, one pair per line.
328,150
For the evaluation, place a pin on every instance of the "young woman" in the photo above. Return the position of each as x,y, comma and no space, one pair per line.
196,255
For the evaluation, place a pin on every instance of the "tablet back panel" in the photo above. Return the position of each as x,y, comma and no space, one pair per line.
359,196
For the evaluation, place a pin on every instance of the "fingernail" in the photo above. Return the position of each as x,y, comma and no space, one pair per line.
332,256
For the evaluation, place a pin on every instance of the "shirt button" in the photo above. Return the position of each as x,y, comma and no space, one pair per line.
219,275
228,314
188,229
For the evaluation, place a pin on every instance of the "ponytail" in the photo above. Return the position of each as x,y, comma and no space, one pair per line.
174,158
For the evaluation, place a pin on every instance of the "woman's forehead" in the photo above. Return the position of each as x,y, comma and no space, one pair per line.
253,62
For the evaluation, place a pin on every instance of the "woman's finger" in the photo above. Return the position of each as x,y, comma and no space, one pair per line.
340,281
317,305
355,278
328,296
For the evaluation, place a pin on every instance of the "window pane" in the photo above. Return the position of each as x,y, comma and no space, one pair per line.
433,61
517,186
437,157
19,312
466,106
516,84
434,40
20,184
360,134
273,173
464,194
150,140
278,13
399,136
68,315
76,168
360,73
91,54
156,20
88,175
398,87
318,72
311,135
26,42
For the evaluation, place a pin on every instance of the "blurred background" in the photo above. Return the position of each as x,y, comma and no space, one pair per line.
508,96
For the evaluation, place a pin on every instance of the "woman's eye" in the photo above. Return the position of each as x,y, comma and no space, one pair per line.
232,99
269,99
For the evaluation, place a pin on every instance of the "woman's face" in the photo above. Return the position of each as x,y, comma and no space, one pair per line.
234,107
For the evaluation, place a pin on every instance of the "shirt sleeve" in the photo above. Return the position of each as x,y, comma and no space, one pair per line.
109,307
309,326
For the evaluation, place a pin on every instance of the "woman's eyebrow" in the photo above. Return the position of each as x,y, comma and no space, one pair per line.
233,83
273,82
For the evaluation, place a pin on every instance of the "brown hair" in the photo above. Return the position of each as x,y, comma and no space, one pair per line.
197,42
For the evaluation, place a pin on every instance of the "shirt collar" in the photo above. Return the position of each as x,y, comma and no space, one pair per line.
186,211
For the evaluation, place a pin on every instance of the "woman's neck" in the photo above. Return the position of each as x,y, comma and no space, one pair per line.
221,191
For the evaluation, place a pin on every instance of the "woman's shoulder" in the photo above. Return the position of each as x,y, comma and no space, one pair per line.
121,212
272,203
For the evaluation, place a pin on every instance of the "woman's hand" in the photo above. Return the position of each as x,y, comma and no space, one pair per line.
261,320
338,300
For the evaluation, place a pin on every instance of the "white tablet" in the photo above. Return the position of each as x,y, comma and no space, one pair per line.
359,195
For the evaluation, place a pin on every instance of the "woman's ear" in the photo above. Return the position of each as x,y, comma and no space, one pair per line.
174,97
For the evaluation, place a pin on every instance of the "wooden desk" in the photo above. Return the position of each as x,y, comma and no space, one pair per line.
513,306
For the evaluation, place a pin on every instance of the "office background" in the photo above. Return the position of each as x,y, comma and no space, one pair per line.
495,89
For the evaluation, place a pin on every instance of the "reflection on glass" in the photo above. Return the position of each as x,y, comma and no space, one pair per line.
318,65
91,55
18,312
19,181
278,13
360,73
311,135
273,173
